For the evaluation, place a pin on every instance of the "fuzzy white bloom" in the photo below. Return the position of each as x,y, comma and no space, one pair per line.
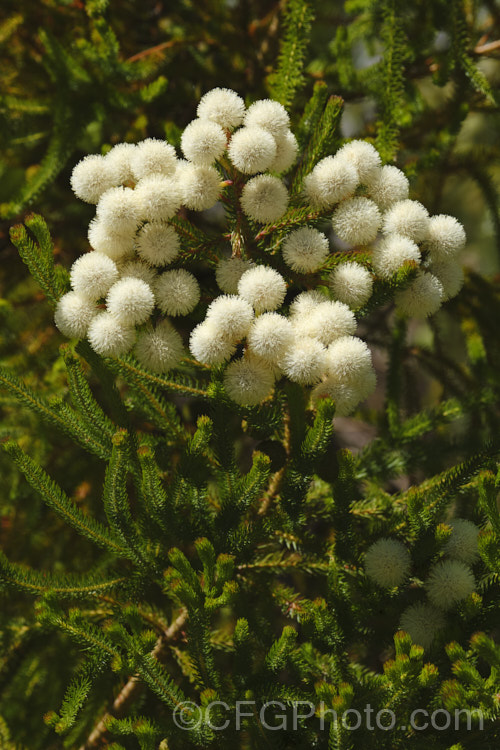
222,106
351,283
422,622
231,315
388,186
177,292
91,177
263,287
207,345
348,358
462,544
364,157
422,298
92,275
407,218
268,114
326,322
203,141
331,181
305,302
248,381
264,198
200,186
446,237
449,582
228,273
119,209
159,197
130,301
391,252
74,314
115,245
451,275
158,244
287,148
270,336
118,160
136,269
347,394
153,157
387,562
304,361
110,337
159,349
357,221
252,150
305,249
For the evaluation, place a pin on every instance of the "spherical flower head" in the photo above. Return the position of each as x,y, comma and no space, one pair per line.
177,292
304,362
248,381
74,314
228,273
364,158
231,315
391,252
222,106
407,218
203,141
422,298
252,150
351,283
422,622
159,349
356,221
270,336
331,181
347,393
153,157
287,149
451,275
263,287
387,562
109,337
92,275
200,186
120,210
450,581
446,237
264,198
348,358
326,322
268,114
305,250
305,302
158,244
462,544
207,345
116,245
388,185
92,177
119,161
130,301
136,269
159,197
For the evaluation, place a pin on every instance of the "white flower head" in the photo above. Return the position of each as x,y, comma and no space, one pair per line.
407,218
305,249
130,301
268,114
158,244
91,177
263,287
348,358
264,198
159,197
115,245
451,275
364,158
391,252
287,149
387,562
446,237
159,349
222,106
119,209
326,322
449,582
74,314
118,160
347,394
270,336
200,186
92,275
136,269
252,150
207,345
422,298
203,142
231,315
248,381
177,292
331,181
228,273
388,186
422,622
304,361
153,157
357,221
351,283
462,544
305,302
109,337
